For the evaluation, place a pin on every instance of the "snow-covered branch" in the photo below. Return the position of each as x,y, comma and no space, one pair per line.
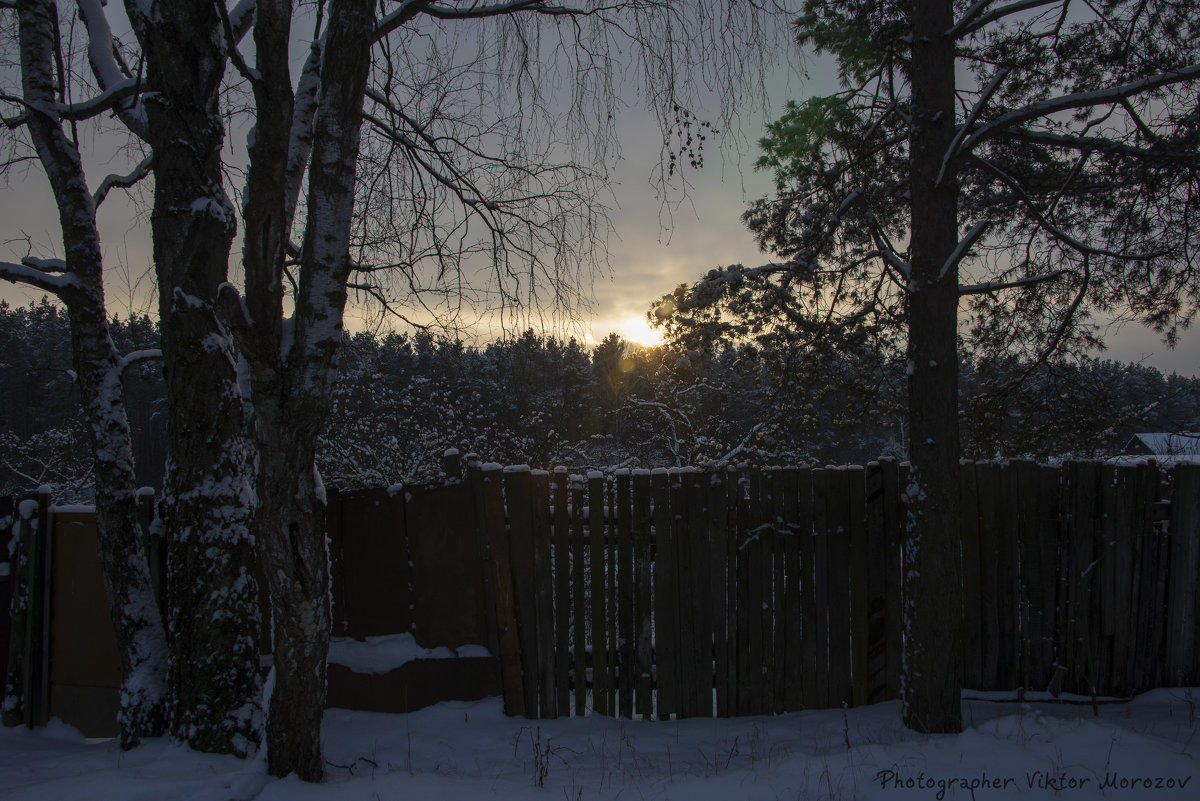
978,16
109,72
983,100
964,244
123,181
995,286
1076,100
109,98
35,277
137,357
741,446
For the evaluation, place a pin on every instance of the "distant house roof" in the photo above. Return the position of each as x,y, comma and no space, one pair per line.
1164,444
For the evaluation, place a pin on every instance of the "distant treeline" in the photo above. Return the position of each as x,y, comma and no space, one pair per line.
404,399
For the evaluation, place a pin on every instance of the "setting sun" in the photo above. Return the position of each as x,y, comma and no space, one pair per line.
637,329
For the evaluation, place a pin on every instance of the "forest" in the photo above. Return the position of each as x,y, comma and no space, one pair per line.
401,400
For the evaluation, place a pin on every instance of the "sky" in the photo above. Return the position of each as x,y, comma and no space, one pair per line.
652,249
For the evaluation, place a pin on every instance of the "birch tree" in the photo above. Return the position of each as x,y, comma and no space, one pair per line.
432,156
44,114
1030,167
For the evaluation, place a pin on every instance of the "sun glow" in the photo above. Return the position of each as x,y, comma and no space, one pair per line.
636,329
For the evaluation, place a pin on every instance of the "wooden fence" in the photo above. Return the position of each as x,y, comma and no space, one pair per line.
692,593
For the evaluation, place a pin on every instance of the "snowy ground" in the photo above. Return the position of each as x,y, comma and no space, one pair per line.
471,751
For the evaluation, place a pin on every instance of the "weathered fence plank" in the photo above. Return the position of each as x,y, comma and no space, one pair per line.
543,594
624,588
562,590
579,576
1185,567
598,587
665,597
968,494
518,497
859,604
809,693
642,592
496,537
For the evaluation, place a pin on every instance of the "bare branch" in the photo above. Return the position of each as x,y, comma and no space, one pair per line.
1051,228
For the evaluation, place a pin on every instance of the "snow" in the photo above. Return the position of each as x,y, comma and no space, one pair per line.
468,751
376,655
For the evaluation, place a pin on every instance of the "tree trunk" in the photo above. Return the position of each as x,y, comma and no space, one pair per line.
137,623
932,561
292,380
208,504
294,552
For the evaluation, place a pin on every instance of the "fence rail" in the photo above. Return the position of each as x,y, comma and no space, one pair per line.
693,593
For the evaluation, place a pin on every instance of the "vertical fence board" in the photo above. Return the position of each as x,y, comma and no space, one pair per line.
972,602
1125,528
822,482
543,593
625,585
518,495
1105,604
701,627
875,575
894,516
717,528
1185,567
579,576
794,524
1159,546
598,592
665,634
1043,600
839,588
1031,575
776,617
643,612
989,582
496,538
806,543
859,603
1083,550
562,591
752,614
1007,578
733,505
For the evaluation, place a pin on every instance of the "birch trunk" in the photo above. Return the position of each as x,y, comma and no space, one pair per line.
137,622
207,506
932,563
292,378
